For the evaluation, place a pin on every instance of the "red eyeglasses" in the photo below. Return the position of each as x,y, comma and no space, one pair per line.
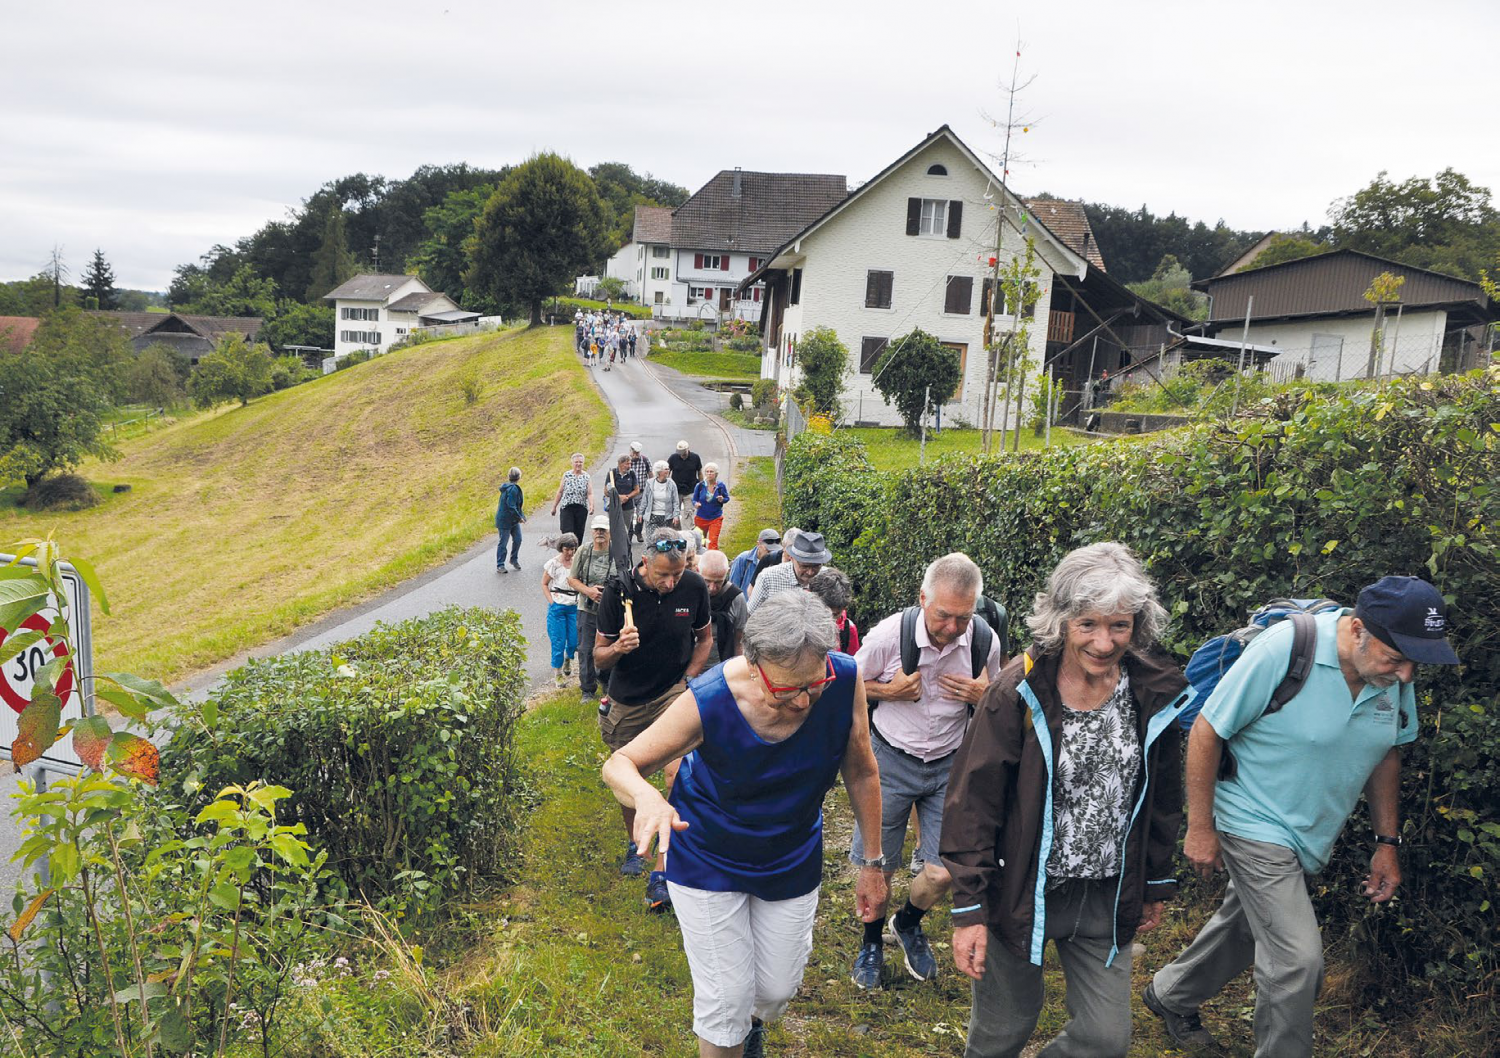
786,694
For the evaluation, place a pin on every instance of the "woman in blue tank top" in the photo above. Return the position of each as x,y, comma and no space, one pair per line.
764,737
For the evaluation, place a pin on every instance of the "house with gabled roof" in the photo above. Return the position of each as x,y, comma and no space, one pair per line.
375,312
188,335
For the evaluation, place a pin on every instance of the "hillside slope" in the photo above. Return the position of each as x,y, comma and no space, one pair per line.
242,524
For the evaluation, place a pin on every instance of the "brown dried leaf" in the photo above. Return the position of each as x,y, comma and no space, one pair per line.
18,927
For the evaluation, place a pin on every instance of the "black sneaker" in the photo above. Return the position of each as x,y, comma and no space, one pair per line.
632,866
658,900
755,1043
867,966
920,962
1185,1029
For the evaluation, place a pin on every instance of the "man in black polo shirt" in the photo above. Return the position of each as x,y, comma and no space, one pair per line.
687,471
649,658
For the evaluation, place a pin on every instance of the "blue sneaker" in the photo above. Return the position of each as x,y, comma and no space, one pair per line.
755,1043
632,866
868,965
658,900
919,959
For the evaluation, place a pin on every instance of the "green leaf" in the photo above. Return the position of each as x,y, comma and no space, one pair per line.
13,645
210,713
225,895
216,812
174,1031
133,992
267,796
21,597
64,863
290,849
149,690
240,858
91,580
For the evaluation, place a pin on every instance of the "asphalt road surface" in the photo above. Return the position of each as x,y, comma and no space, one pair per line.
652,405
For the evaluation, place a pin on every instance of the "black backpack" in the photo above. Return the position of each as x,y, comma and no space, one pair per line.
988,616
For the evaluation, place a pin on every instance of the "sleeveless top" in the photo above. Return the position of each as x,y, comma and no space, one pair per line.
755,808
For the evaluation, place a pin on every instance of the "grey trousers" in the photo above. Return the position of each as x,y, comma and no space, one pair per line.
1267,921
1008,999
588,676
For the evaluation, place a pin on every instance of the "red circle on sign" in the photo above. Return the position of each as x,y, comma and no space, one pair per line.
59,649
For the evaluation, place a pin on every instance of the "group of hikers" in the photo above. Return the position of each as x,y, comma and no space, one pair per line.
603,336
1047,787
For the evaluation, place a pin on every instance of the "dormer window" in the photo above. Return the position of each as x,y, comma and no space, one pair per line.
937,169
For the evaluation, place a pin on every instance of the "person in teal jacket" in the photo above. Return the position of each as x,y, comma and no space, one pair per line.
508,518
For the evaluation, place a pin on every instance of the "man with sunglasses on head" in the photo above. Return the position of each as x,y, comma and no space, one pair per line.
650,652
917,721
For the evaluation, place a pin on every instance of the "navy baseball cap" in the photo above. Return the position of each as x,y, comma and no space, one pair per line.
1409,615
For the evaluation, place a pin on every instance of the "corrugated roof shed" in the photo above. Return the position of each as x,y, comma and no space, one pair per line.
652,224
1070,223
754,212
16,332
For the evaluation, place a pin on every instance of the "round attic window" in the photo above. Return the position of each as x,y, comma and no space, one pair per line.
937,170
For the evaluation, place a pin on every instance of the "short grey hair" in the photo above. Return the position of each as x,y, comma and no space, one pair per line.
623,457
514,475
834,587
567,540
576,455
789,627
664,533
710,466
1104,578
955,571
659,465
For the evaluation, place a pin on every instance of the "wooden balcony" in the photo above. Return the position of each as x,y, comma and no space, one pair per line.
1060,327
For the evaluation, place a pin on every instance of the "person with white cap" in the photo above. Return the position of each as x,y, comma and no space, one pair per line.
806,555
1298,775
687,471
593,568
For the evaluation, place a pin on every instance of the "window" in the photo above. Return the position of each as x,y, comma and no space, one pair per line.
960,295
661,251
984,299
360,337
400,330
937,169
753,294
795,297
359,314
878,289
711,262
870,350
696,294
963,366
659,273
660,296
934,216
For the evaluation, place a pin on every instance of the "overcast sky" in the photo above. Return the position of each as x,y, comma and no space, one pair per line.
155,130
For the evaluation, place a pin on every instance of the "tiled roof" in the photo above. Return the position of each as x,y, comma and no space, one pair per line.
368,288
137,324
16,332
1069,222
769,209
652,224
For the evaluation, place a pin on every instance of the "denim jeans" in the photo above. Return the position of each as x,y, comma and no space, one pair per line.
513,534
562,630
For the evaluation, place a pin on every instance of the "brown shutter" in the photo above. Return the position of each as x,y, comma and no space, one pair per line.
955,218
796,296
960,295
886,281
913,215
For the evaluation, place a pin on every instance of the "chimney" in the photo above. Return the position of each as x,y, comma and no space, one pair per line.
735,192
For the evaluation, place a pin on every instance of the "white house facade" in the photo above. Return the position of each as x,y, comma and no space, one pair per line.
375,312
911,249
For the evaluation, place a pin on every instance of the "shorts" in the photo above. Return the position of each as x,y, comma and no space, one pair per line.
906,781
746,956
619,722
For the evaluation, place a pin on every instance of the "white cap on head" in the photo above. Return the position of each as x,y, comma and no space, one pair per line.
635,446
682,446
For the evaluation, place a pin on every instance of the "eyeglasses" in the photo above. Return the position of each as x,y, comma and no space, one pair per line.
772,540
669,545
786,694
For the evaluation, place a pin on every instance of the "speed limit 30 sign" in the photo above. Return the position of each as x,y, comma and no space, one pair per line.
16,675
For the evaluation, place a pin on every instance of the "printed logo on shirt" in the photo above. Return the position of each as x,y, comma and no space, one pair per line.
682,611
1385,709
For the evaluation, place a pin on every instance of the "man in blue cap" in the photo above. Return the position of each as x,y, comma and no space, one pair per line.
1299,772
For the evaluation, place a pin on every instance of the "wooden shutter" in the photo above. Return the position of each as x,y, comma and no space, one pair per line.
870,350
724,263
697,260
796,297
872,290
955,218
984,299
913,215
886,281
959,296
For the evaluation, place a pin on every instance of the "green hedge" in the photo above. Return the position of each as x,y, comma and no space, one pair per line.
397,746
566,307
1303,497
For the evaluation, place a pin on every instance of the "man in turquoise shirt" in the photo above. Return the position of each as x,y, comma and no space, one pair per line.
1299,774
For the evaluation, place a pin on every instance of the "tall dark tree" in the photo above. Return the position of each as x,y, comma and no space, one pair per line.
99,283
1133,242
332,262
1447,223
622,189
543,225
442,257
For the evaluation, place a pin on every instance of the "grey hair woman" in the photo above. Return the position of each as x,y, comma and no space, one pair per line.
765,736
1080,728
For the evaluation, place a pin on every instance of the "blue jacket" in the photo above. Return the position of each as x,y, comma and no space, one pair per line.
512,510
743,568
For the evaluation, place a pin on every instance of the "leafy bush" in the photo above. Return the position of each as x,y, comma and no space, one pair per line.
918,374
156,377
737,401
825,362
235,370
747,344
397,747
566,306
359,356
288,371
763,392
1309,497
470,386
610,289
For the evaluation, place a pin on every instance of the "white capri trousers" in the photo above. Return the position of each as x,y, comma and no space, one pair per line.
746,955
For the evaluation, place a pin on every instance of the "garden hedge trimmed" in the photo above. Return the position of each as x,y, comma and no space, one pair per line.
1305,496
396,745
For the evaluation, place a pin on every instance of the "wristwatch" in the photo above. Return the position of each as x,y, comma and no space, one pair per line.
1386,839
867,861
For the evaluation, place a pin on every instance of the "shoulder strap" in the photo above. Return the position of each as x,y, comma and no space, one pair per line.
910,653
979,646
1304,644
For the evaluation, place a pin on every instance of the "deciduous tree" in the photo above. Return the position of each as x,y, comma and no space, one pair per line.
543,225
1446,223
236,370
824,361
917,373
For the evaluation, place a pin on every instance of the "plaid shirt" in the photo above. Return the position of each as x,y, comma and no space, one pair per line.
640,466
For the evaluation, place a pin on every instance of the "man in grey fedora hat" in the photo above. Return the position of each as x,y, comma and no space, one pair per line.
805,555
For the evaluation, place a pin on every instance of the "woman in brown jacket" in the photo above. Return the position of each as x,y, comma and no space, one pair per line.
1063,808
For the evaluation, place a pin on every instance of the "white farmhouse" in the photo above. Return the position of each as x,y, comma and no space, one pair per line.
375,312
909,249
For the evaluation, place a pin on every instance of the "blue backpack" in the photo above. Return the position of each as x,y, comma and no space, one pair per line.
1210,661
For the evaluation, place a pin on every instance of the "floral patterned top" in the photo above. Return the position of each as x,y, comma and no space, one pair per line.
1097,767
575,488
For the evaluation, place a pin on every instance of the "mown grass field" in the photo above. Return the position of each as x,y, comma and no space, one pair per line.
891,449
242,524
754,506
734,366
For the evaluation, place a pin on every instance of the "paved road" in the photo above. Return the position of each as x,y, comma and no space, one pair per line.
653,405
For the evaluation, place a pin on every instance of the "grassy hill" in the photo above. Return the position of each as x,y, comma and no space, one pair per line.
244,523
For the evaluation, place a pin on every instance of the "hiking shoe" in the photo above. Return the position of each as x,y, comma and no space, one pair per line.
515,566
868,965
500,569
755,1043
1185,1029
632,866
919,959
658,900
562,681
567,666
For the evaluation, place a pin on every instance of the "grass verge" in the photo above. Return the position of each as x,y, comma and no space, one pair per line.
890,448
244,523
737,366
754,507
